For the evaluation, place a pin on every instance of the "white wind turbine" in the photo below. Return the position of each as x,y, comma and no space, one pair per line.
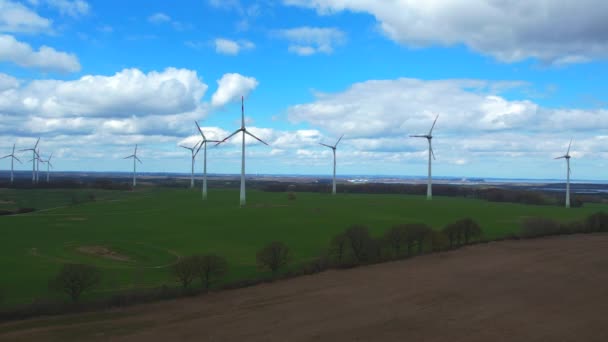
194,151
205,141
48,167
34,153
333,148
13,158
568,172
429,137
244,131
134,156
38,159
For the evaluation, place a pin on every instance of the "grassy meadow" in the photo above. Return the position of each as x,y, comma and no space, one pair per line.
149,228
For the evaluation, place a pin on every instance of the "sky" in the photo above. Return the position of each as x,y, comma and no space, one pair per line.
512,82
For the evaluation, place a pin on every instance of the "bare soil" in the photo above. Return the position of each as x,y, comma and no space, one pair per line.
104,252
553,289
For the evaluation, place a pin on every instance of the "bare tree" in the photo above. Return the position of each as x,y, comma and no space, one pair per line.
185,270
274,256
396,238
338,248
210,268
74,279
361,243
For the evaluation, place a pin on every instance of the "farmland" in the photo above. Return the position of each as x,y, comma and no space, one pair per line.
134,236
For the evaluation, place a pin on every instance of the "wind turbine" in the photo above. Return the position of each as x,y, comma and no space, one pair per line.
194,153
34,153
245,131
38,159
134,156
567,157
13,157
48,166
333,148
429,137
204,142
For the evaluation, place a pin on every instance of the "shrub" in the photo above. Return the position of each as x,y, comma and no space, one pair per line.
538,226
597,222
338,249
396,239
362,246
462,232
74,279
210,268
274,256
438,241
416,234
185,270
291,195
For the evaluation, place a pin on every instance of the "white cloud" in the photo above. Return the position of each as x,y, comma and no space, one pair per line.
159,18
307,41
231,47
16,18
123,96
45,59
557,31
8,82
231,87
74,8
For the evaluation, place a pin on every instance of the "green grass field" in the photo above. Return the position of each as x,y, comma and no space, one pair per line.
152,227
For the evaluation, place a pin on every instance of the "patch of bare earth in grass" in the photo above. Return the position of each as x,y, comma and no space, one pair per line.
551,289
103,252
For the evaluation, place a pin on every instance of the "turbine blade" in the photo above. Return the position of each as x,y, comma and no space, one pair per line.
258,139
10,155
51,156
200,130
199,145
336,145
135,150
433,153
568,152
17,159
434,122
37,141
418,136
131,156
228,137
138,160
186,147
560,157
326,145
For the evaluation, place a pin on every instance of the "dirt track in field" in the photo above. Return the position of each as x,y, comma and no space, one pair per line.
553,289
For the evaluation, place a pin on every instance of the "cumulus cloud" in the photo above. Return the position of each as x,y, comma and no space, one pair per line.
45,59
232,47
16,18
307,41
231,87
558,31
127,102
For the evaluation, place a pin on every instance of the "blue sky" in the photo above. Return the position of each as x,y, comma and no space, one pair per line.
512,82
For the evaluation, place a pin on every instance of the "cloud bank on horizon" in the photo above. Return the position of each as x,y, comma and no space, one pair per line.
511,81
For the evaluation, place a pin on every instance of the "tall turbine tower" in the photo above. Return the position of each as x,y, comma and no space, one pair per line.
134,156
567,157
205,141
33,149
13,157
244,131
38,159
48,167
333,148
194,152
429,137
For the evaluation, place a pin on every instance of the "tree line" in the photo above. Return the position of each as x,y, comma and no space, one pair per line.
353,247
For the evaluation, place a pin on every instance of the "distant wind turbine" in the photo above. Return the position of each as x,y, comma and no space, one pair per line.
245,131
33,149
568,172
429,137
194,151
205,141
48,167
38,166
13,158
134,156
333,148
